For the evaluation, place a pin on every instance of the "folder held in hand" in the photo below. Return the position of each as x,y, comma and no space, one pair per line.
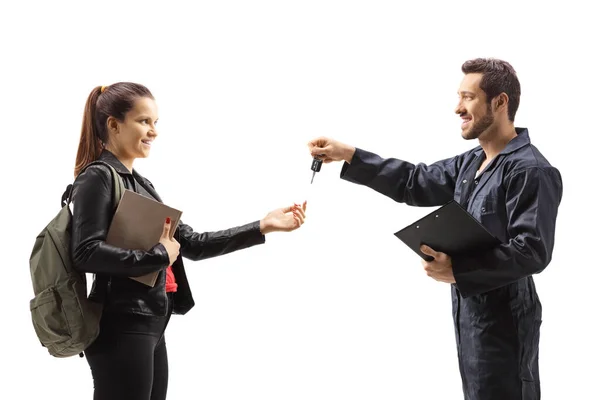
138,224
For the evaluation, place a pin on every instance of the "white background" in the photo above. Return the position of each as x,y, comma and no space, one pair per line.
339,309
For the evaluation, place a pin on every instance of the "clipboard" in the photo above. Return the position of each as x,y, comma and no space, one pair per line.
138,224
450,229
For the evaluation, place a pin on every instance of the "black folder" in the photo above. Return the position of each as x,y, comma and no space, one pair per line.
450,229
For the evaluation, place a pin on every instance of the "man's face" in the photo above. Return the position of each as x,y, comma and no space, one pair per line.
475,112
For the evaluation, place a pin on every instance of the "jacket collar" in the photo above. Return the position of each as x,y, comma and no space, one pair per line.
147,185
114,162
521,140
516,143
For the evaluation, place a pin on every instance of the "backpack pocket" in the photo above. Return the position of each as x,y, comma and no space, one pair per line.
60,322
49,319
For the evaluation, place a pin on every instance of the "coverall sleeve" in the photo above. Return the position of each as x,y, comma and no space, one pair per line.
414,184
532,199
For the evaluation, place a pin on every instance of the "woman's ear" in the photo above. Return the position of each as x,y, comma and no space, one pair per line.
112,125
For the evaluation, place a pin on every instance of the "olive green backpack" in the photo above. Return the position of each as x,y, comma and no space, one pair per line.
65,321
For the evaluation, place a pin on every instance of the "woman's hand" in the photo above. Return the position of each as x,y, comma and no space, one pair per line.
283,219
170,244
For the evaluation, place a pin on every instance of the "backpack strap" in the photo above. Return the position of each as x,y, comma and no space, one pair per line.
118,186
118,190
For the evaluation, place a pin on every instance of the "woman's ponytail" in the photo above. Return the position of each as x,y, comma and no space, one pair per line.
90,145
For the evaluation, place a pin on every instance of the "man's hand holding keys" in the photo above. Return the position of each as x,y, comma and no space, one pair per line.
329,150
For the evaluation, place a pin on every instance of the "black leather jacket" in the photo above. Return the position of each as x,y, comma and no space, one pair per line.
93,208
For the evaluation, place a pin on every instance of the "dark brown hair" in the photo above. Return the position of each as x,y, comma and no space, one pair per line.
103,102
498,77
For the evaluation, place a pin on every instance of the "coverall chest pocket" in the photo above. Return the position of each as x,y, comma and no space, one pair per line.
488,206
490,214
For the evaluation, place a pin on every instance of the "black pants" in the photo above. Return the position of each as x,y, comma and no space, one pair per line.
129,358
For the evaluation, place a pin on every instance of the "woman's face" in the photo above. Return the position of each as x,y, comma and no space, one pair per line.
132,138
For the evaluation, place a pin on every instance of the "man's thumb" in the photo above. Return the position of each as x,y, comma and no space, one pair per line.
428,250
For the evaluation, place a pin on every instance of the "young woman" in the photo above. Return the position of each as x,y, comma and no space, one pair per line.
129,358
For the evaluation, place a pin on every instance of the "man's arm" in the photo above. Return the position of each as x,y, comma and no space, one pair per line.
413,184
532,199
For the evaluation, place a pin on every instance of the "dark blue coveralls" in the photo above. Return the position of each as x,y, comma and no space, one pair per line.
496,309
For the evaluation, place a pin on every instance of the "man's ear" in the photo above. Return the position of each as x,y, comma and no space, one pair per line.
500,102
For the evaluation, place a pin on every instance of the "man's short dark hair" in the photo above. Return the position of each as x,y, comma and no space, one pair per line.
498,77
